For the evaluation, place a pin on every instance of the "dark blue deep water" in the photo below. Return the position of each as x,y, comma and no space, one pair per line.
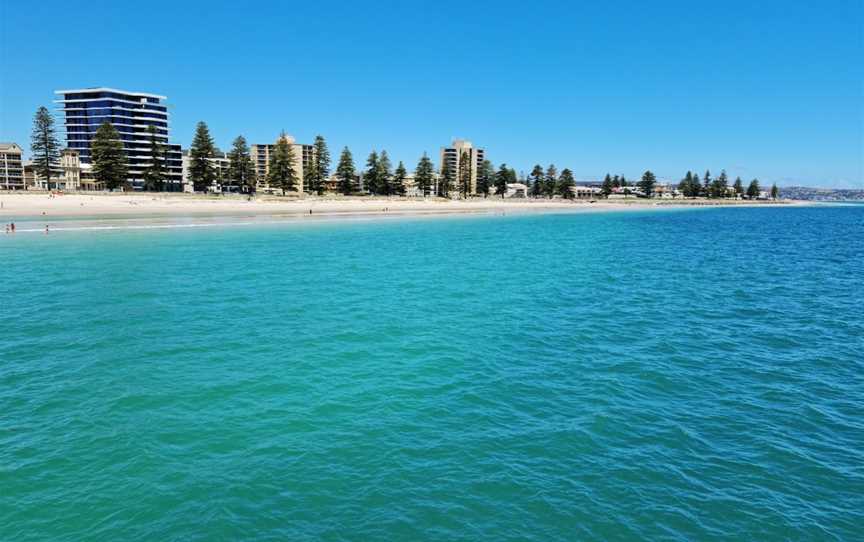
677,375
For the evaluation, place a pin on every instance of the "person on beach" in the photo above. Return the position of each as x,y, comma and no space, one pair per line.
12,227
46,229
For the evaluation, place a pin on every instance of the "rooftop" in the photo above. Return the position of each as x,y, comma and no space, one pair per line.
108,89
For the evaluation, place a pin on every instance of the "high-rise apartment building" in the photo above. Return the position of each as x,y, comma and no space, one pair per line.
131,113
303,157
452,155
11,167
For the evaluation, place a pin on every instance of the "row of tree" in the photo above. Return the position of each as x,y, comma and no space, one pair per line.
692,187
549,183
110,168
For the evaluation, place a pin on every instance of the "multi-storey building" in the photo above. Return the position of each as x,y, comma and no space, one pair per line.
11,167
452,155
303,157
131,113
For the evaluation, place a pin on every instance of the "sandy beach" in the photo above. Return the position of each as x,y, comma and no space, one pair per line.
36,205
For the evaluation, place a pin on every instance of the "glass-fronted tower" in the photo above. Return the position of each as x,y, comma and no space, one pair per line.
131,113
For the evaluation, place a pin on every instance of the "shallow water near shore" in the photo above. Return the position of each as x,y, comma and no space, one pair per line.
684,375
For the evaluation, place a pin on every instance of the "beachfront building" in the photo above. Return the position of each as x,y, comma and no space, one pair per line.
333,183
220,162
452,155
11,167
625,192
413,191
586,192
666,191
131,113
76,176
516,190
29,174
303,158
70,175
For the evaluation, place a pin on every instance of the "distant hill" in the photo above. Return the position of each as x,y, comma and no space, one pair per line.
821,194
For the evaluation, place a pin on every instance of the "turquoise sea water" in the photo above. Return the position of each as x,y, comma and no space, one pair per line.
678,375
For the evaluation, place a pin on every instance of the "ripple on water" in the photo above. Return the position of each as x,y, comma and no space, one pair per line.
659,375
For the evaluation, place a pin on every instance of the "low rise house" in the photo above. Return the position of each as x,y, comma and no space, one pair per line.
625,192
516,190
586,192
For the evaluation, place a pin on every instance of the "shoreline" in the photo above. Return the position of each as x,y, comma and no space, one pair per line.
111,212
41,206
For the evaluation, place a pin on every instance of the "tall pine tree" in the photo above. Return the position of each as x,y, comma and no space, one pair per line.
45,146
370,177
719,185
464,175
550,183
109,160
385,174
241,169
201,170
502,177
536,179
345,172
445,182
485,178
321,164
566,183
309,176
155,172
754,189
686,185
282,161
424,175
606,187
647,183
399,180
706,184
738,187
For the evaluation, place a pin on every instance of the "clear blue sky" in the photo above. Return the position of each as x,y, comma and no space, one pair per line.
771,89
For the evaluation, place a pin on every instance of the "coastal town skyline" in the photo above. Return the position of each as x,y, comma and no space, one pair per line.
118,139
790,114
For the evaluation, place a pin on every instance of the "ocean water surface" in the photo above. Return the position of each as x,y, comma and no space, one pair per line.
662,375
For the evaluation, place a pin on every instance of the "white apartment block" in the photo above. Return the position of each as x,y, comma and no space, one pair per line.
452,155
